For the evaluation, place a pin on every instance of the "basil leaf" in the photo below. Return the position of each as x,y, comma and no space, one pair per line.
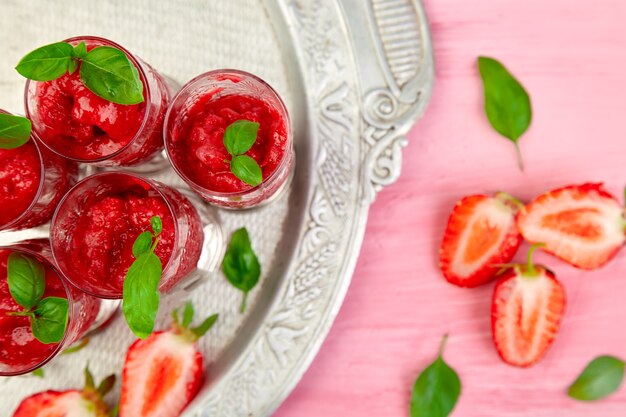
142,243
80,51
603,376
188,314
241,265
46,63
27,279
247,170
204,327
108,73
156,224
507,103
14,131
436,390
240,136
141,293
50,320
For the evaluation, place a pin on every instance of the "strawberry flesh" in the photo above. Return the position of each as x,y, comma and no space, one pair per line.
481,234
582,224
60,404
526,315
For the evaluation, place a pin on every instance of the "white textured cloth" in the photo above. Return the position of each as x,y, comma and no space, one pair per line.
181,39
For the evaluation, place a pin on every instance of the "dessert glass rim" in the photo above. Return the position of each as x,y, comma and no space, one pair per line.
287,155
146,92
153,185
16,248
42,179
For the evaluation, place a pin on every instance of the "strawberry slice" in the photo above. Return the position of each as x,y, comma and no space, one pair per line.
481,234
87,402
581,224
526,311
163,372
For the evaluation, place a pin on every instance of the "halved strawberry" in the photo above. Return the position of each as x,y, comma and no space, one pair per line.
527,307
163,373
75,403
581,224
481,234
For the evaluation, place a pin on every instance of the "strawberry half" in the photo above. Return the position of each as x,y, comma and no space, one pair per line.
481,234
581,224
163,372
526,311
87,402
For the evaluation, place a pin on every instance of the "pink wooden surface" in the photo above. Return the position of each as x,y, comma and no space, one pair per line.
571,56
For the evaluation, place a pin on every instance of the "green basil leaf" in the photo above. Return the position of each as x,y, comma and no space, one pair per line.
247,170
50,320
142,243
141,294
603,376
27,279
436,390
157,225
240,136
108,73
14,131
80,51
204,327
46,63
188,314
507,103
241,265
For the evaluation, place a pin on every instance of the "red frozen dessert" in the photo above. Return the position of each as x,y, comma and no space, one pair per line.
77,124
97,223
20,351
195,127
20,176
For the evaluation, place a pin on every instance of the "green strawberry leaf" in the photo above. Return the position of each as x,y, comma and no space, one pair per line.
204,327
188,314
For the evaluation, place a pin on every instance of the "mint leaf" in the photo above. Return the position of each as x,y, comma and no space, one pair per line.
241,265
141,293
108,73
46,63
188,314
50,320
240,136
27,279
204,327
507,103
80,51
436,390
142,243
602,377
247,170
156,224
14,131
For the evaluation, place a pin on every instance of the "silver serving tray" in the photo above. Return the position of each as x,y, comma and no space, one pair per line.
355,74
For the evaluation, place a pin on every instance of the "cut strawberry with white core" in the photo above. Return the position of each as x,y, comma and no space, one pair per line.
480,236
581,224
527,307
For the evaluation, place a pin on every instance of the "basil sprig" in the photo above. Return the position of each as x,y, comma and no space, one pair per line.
241,265
14,131
436,390
27,283
602,377
105,71
238,139
141,298
507,103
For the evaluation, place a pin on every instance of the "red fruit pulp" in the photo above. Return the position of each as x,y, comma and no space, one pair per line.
18,346
99,248
20,177
198,144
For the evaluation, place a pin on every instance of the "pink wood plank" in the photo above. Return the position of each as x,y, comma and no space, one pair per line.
571,56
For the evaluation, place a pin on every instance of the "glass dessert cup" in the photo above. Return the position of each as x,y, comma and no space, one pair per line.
20,352
78,125
97,222
32,182
194,128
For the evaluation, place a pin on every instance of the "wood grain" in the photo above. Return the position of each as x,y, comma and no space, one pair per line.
571,56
